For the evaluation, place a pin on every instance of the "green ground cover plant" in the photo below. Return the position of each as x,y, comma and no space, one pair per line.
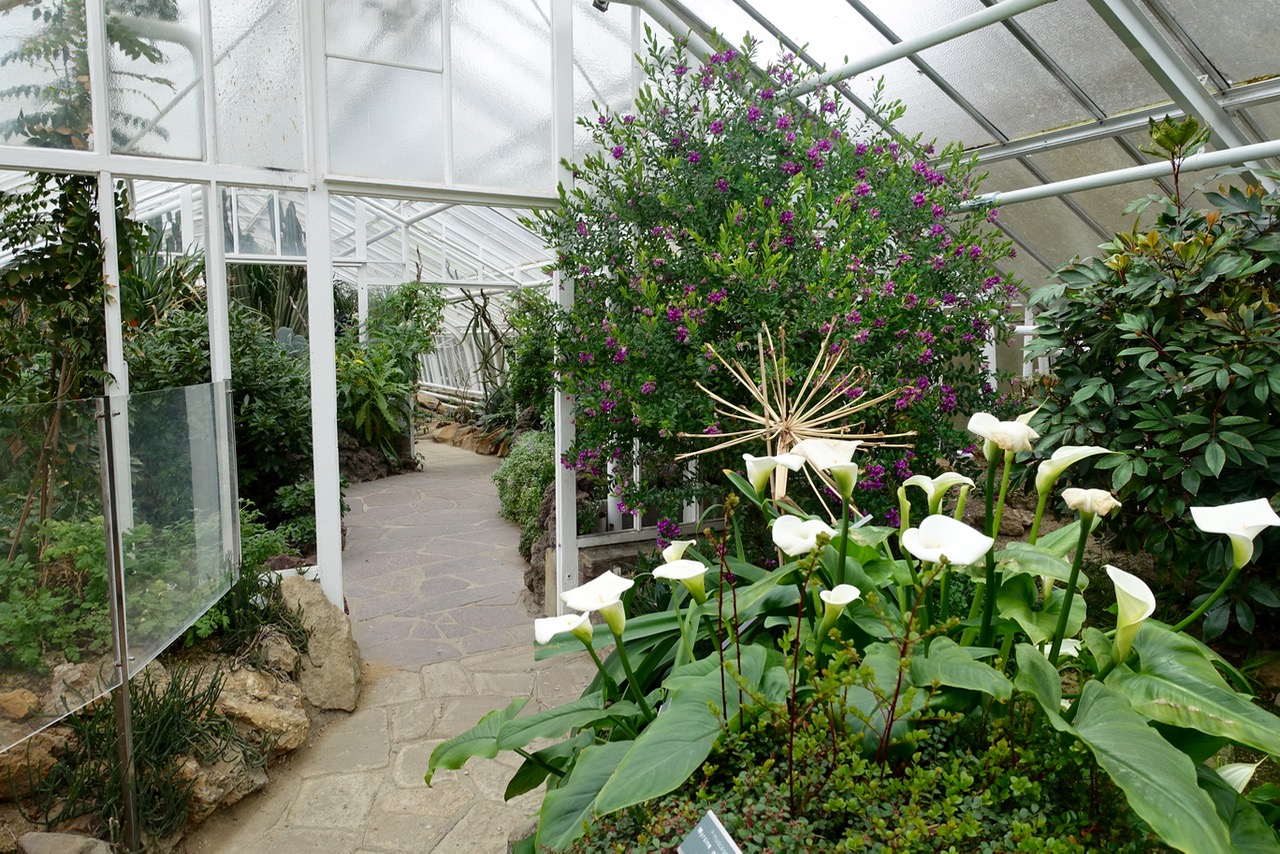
522,478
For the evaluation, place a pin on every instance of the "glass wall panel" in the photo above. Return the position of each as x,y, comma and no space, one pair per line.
257,48
602,61
500,56
55,626
385,121
155,91
181,552
44,93
264,222
389,31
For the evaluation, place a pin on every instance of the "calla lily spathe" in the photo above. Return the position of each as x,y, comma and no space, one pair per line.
690,573
675,551
1134,603
840,595
845,476
1095,502
941,539
822,454
1063,458
759,468
604,594
1241,521
1005,435
936,488
546,628
796,536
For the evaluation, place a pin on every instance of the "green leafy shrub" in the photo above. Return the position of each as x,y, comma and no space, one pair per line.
271,393
528,360
1167,348
522,478
719,205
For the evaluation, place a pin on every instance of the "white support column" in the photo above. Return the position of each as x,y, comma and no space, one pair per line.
324,393
215,284
118,387
566,479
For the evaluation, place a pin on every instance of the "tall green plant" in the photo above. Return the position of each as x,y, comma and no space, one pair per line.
722,202
1168,345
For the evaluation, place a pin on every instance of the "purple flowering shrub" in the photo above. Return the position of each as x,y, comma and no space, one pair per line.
721,204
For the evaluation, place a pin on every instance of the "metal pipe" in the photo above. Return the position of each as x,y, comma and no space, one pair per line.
1204,160
959,27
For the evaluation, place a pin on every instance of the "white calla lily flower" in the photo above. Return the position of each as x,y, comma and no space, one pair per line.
546,628
675,551
604,594
796,536
941,539
759,468
1005,435
1096,502
1241,521
822,454
935,488
1070,646
1064,458
690,573
846,477
840,595
1134,603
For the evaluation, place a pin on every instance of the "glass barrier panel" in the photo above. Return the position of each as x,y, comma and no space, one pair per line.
180,546
56,650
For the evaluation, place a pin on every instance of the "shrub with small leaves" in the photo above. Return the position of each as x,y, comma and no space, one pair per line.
522,479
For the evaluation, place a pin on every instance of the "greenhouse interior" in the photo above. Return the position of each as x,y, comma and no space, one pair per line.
870,406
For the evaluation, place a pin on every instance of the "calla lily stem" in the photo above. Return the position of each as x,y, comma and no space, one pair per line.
632,684
1086,524
989,589
1208,603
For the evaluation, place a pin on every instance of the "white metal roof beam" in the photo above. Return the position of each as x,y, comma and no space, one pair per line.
1204,160
1241,96
1137,32
670,22
959,27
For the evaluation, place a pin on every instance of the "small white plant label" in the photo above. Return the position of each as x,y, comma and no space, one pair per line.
709,837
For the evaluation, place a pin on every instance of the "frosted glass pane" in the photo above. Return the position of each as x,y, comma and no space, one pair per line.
1046,224
602,60
156,98
385,30
1091,54
385,122
501,54
1238,37
1105,204
831,32
920,16
258,75
44,93
180,554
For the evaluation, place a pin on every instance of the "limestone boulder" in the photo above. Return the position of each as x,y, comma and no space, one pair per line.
330,669
61,843
278,655
18,704
73,685
219,784
25,764
265,703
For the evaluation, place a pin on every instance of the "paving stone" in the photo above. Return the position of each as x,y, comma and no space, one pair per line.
411,766
387,687
445,678
414,721
485,828
302,841
339,801
505,684
360,741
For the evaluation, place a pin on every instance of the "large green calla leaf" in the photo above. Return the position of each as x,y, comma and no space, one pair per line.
1037,677
1016,601
679,740
567,807
1033,560
555,722
1177,685
532,772
1063,541
1250,833
481,740
948,663
1158,780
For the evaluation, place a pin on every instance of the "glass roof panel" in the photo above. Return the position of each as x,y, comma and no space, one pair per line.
930,113
1092,55
501,65
257,47
1022,98
918,17
1106,204
1239,37
1046,224
830,30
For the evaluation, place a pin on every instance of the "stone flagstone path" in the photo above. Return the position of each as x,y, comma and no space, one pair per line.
434,585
